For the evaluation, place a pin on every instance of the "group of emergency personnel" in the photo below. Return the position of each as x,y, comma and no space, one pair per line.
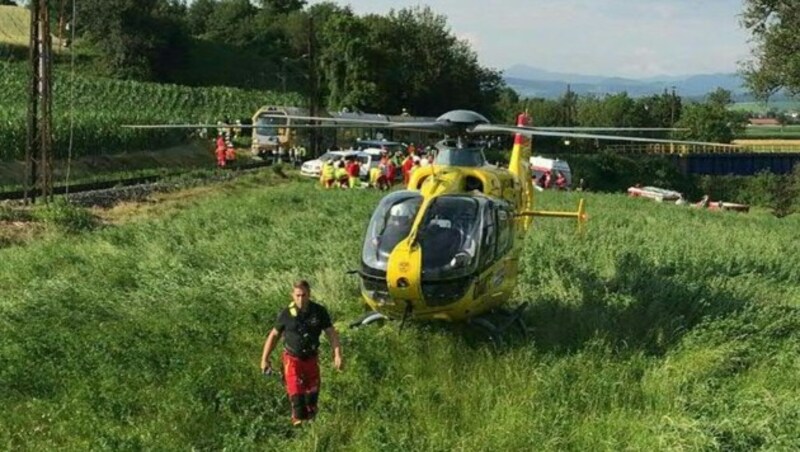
346,172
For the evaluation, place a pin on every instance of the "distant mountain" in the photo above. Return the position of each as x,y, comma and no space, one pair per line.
535,82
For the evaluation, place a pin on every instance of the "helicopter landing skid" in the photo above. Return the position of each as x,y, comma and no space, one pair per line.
499,322
367,318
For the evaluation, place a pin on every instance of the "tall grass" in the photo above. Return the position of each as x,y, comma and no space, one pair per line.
659,328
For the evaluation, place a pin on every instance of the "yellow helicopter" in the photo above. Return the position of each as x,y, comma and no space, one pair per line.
448,245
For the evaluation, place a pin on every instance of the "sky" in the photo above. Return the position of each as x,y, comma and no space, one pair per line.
625,38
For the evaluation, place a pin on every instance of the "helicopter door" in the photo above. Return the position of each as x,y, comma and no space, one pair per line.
505,230
449,237
489,235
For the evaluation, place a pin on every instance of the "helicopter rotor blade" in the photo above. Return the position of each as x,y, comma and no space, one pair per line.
245,126
490,128
184,126
609,129
355,122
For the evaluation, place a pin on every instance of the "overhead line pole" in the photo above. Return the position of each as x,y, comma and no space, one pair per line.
312,81
38,152
29,179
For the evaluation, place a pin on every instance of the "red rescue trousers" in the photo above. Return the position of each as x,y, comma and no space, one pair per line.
302,385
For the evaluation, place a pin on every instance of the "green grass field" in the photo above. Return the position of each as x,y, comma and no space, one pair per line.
762,107
784,132
661,328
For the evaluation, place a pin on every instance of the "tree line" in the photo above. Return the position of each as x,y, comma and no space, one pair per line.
408,59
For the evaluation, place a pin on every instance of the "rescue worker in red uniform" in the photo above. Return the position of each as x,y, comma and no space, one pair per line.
220,152
561,181
301,324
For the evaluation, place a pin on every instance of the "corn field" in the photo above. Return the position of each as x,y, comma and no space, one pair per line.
96,107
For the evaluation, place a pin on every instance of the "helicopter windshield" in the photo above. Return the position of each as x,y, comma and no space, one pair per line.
470,157
391,222
449,237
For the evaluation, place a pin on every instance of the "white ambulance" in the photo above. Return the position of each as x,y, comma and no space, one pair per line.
540,165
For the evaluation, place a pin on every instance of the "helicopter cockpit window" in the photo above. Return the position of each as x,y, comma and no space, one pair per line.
460,157
391,222
449,235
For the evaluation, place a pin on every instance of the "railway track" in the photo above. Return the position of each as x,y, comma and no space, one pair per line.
108,192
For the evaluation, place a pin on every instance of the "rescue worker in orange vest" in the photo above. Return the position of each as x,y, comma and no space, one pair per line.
300,325
220,152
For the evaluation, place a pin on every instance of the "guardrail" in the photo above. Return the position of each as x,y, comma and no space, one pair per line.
689,149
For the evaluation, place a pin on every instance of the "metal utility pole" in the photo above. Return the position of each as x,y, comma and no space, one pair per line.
38,152
672,109
672,118
312,86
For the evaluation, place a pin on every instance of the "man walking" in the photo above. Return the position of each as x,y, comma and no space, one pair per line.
301,324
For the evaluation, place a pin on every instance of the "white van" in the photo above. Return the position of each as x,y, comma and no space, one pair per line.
540,165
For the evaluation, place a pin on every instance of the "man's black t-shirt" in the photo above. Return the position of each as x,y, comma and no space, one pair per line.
301,329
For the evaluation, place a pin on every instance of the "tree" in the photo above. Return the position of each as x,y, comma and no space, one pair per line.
7,3
712,121
661,110
201,16
143,39
233,23
617,110
282,6
409,59
774,25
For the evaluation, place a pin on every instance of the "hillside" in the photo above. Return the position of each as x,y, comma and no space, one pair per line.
662,328
14,25
535,82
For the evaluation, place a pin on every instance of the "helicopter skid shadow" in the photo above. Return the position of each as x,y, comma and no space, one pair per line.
643,307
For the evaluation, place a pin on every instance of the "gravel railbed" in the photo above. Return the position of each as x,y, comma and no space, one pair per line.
109,197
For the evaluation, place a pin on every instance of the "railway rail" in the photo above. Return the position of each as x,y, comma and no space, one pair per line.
74,191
